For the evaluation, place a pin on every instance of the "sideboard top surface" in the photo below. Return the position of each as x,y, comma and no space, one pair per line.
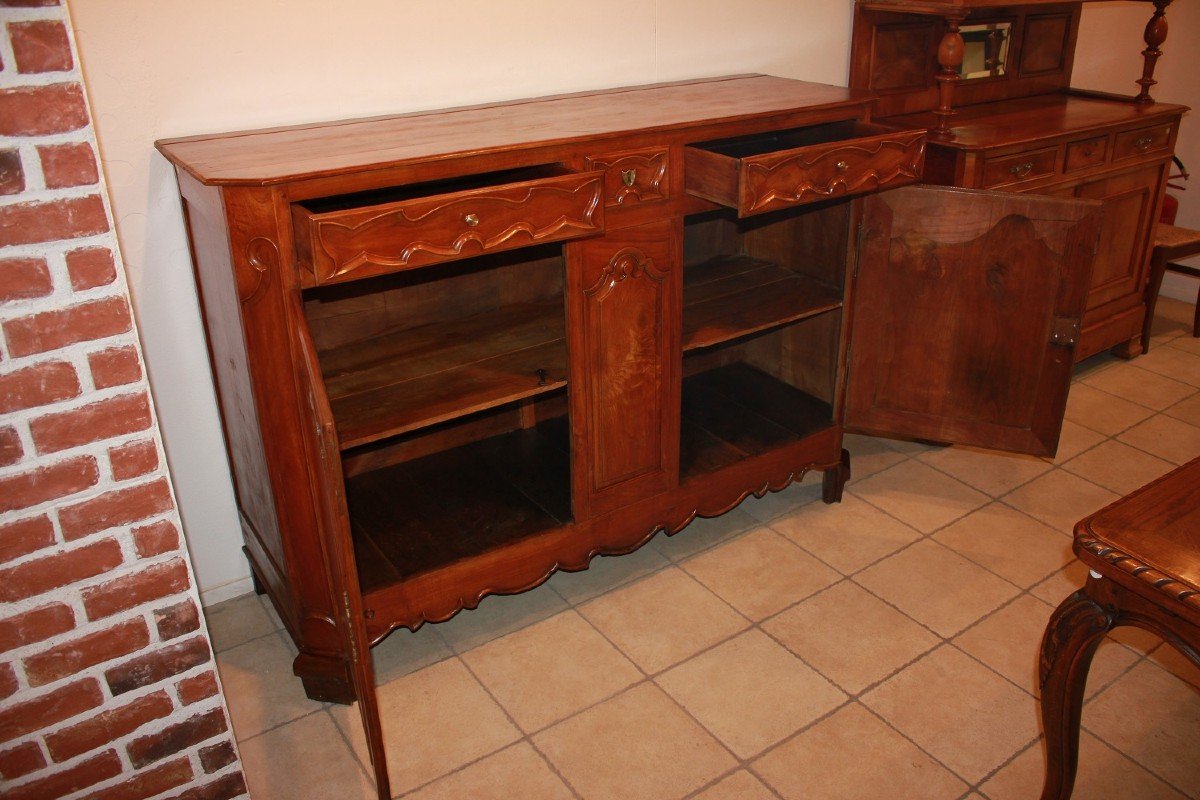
277,155
1032,119
949,6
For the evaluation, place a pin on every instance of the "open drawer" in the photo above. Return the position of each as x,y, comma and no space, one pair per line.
773,170
371,233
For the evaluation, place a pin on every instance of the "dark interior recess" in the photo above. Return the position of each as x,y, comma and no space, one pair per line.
416,516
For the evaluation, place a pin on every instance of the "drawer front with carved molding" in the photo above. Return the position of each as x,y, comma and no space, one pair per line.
337,240
1131,144
1020,167
634,176
788,168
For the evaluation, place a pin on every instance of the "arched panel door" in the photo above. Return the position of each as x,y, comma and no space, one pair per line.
967,308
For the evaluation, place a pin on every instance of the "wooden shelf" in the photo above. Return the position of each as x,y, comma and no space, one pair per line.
736,411
728,297
415,517
410,379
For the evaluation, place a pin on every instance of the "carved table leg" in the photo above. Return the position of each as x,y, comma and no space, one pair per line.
834,480
1072,636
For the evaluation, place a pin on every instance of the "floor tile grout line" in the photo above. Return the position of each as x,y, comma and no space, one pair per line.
680,561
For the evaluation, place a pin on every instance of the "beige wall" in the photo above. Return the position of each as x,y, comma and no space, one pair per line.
158,69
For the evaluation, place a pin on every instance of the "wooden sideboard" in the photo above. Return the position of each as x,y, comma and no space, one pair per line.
457,351
1013,124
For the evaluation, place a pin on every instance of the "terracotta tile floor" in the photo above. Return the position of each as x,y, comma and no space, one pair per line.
885,648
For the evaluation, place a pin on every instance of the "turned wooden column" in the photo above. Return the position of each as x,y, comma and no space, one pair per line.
1156,34
950,59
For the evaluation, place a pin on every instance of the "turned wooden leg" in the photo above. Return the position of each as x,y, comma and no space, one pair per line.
1072,636
1158,266
835,479
1196,319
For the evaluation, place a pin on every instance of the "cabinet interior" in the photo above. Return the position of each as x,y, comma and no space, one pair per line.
448,389
762,317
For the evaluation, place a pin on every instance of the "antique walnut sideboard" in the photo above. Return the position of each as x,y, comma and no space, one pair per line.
991,82
457,351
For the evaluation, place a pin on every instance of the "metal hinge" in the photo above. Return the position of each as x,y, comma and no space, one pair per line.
350,625
1065,331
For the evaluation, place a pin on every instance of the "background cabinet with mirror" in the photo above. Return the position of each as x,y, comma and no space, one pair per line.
992,83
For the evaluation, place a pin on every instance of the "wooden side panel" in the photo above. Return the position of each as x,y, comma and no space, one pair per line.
624,299
221,307
966,313
259,236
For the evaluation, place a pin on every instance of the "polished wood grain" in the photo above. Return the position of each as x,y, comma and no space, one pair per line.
343,240
624,306
734,296
409,439
336,148
756,174
943,278
634,177
1143,553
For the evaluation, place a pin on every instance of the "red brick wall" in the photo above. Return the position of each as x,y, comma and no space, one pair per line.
108,687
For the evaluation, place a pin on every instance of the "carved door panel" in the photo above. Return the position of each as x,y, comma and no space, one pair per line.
966,312
1130,199
624,293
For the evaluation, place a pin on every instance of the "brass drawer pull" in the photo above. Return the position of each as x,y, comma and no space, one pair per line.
1021,170
628,176
842,166
471,219
1144,142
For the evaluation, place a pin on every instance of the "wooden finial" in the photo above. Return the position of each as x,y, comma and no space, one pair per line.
950,59
1156,34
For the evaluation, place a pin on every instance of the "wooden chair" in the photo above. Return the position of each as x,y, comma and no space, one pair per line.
1144,555
1170,243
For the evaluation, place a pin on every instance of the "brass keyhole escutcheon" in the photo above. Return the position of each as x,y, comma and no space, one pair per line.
628,176
471,219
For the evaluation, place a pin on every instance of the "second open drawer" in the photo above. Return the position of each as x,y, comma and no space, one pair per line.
776,169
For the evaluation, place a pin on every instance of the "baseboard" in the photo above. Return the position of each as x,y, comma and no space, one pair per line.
226,591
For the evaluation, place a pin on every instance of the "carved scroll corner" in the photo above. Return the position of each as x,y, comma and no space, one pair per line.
254,275
626,263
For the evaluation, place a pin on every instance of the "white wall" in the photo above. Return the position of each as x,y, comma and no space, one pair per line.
1108,58
157,69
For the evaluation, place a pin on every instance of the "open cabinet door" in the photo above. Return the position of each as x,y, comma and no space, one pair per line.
966,311
325,458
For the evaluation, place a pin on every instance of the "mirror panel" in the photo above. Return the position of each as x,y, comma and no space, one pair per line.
985,49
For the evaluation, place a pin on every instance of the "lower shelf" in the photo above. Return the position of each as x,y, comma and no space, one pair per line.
420,515
735,411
